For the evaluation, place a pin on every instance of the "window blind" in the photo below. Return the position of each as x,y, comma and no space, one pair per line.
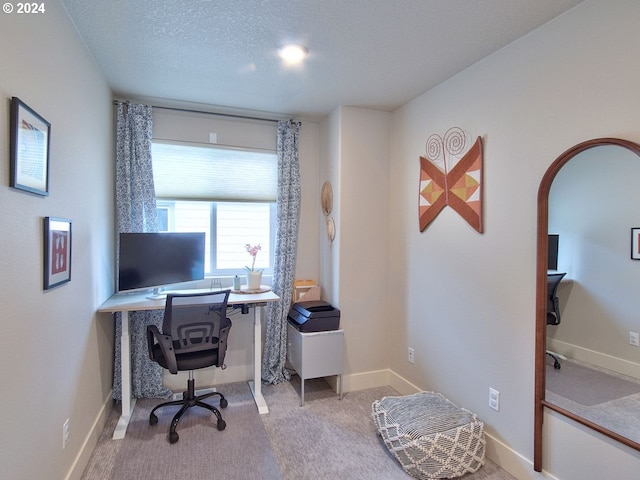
190,172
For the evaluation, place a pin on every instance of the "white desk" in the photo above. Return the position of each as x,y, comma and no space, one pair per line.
126,303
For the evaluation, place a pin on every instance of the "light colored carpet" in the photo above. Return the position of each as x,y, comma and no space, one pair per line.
202,451
586,385
620,414
327,438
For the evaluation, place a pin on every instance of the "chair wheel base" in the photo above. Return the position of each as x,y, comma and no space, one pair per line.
188,401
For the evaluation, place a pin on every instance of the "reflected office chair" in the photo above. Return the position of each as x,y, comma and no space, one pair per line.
194,335
553,309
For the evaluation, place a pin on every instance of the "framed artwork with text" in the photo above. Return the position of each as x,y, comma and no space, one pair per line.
30,137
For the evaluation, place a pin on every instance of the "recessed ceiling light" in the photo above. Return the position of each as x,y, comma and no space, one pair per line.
292,54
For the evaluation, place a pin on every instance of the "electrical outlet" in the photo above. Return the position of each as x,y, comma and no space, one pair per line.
494,399
410,355
634,339
65,433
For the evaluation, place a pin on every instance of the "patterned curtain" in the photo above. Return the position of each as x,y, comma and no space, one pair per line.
136,212
288,207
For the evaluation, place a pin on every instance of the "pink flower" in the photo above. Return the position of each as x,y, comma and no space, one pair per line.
253,251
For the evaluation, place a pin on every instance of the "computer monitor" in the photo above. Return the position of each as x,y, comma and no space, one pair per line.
155,260
552,262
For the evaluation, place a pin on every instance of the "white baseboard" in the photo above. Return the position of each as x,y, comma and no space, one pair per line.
513,462
598,359
360,381
91,440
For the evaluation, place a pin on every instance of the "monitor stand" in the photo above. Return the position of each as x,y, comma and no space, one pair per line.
156,295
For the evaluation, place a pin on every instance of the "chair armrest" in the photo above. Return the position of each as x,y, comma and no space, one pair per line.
166,346
225,326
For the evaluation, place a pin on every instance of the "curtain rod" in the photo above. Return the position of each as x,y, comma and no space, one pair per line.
246,117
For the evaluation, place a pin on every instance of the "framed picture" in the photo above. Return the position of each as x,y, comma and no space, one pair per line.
29,149
57,251
635,243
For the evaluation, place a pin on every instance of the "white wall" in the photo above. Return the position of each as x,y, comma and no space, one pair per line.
57,354
329,171
467,300
355,265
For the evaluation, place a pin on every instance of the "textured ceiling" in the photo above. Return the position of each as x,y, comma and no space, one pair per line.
371,53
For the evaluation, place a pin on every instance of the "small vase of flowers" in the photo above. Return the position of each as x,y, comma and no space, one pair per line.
254,277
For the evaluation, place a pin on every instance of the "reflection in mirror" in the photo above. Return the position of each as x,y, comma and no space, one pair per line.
592,207
588,199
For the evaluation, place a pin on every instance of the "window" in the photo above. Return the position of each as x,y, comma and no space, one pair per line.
228,194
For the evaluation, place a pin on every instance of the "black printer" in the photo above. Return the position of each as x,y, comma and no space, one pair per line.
314,316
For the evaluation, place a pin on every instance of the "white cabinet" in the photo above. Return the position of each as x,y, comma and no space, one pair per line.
316,354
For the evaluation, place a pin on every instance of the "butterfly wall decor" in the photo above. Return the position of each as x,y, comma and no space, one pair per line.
459,182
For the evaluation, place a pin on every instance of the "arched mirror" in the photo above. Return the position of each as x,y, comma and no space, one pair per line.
586,367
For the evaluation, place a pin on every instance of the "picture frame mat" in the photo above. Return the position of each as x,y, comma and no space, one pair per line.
30,139
57,252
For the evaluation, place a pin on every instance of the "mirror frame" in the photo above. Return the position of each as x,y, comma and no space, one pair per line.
541,302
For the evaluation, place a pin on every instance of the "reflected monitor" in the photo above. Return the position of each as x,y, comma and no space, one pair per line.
552,262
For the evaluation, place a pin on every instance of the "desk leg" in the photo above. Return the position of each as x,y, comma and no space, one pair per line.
256,384
128,403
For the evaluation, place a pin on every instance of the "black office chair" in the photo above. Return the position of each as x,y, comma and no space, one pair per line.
194,335
553,309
